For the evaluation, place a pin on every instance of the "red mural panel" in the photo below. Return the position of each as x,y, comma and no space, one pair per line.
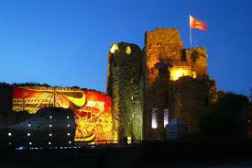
92,109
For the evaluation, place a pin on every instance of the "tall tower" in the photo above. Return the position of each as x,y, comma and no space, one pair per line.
166,62
161,46
125,86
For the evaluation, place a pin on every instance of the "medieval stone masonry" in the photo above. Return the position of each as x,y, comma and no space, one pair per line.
153,86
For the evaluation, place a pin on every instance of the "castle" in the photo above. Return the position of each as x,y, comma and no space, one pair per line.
147,89
163,82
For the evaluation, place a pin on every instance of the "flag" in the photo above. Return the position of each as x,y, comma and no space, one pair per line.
197,24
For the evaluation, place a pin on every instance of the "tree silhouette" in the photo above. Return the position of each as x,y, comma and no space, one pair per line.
250,95
227,118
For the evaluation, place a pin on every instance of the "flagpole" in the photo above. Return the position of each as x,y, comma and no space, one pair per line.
190,36
190,32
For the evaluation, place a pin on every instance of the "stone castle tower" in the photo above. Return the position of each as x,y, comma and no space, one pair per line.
176,82
125,83
165,46
160,83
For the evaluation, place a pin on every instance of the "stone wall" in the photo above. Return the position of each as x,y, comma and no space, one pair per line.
189,99
197,59
162,49
184,98
125,83
141,85
165,46
161,45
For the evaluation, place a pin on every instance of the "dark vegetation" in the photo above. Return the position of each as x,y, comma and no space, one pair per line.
250,95
4,85
227,118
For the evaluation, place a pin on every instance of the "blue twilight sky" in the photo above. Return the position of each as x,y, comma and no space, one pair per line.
65,42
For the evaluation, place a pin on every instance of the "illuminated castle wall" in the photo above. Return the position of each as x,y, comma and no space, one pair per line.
176,82
172,81
125,83
165,46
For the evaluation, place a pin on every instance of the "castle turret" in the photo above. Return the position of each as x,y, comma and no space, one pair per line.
125,85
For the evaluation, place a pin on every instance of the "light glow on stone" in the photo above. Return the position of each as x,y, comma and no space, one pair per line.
128,50
178,72
166,117
154,123
114,48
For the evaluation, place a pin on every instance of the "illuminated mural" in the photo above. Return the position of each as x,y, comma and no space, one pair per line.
92,109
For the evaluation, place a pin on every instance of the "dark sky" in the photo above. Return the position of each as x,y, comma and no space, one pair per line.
65,42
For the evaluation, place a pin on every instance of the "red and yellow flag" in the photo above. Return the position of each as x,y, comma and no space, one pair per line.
197,24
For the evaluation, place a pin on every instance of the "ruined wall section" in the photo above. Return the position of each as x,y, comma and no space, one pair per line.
125,86
161,45
189,100
197,59
166,46
162,49
176,79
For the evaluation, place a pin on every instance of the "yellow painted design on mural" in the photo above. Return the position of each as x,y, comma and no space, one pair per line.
79,102
97,104
92,110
